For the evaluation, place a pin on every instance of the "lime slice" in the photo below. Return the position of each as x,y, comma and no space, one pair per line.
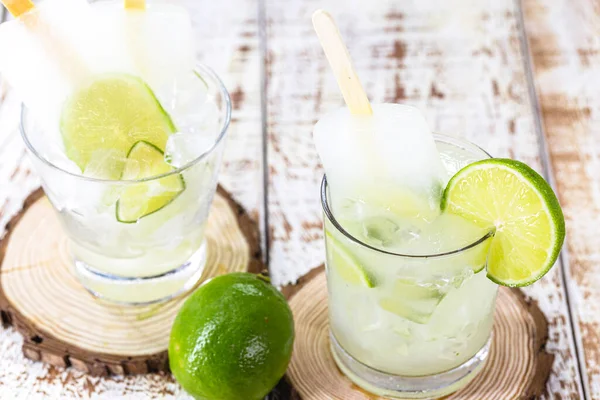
413,301
138,200
345,264
114,111
519,203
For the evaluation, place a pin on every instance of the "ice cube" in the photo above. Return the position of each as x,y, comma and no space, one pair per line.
413,300
204,122
191,91
193,108
380,229
77,195
384,232
55,154
106,164
458,280
463,233
185,147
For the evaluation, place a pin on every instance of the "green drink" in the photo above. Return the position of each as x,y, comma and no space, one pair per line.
397,304
412,295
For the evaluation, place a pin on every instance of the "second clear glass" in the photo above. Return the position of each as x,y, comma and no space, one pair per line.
161,254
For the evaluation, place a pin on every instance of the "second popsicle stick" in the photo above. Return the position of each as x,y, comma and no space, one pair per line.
135,4
18,7
341,64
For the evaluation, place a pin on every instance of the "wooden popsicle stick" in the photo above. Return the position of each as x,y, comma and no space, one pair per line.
341,64
135,4
18,7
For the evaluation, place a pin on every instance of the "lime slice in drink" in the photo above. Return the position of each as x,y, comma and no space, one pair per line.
138,200
519,203
345,264
114,111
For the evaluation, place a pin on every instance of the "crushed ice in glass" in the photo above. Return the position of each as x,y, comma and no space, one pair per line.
105,164
387,233
185,147
54,153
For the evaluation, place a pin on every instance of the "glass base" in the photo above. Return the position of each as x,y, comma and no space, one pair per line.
408,387
137,291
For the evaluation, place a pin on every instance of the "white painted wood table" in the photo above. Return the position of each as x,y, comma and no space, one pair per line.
521,78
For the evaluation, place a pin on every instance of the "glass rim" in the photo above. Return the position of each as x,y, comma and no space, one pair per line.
204,70
329,214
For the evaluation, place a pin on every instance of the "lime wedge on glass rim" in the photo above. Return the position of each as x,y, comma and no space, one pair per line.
112,112
138,200
515,200
346,265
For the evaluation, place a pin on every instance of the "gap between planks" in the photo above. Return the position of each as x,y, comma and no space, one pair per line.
549,176
262,49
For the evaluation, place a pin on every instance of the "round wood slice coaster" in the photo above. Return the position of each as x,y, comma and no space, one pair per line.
518,366
62,324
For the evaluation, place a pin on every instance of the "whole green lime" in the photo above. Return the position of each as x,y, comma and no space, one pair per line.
232,339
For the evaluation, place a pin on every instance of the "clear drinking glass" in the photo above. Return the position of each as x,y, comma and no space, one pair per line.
419,326
163,253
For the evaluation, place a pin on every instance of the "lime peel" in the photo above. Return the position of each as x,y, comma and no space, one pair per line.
520,204
232,339
137,200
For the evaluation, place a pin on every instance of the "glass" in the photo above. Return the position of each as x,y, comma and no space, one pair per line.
423,329
163,253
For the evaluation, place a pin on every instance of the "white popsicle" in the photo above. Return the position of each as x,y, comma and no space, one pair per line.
46,54
384,154
53,48
388,159
158,39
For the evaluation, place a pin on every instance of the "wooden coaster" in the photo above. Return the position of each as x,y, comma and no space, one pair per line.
62,324
518,367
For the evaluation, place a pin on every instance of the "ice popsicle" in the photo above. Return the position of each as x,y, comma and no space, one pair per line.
52,49
157,37
382,154
47,52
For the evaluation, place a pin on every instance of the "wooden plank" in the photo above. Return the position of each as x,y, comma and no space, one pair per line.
227,36
563,38
460,61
